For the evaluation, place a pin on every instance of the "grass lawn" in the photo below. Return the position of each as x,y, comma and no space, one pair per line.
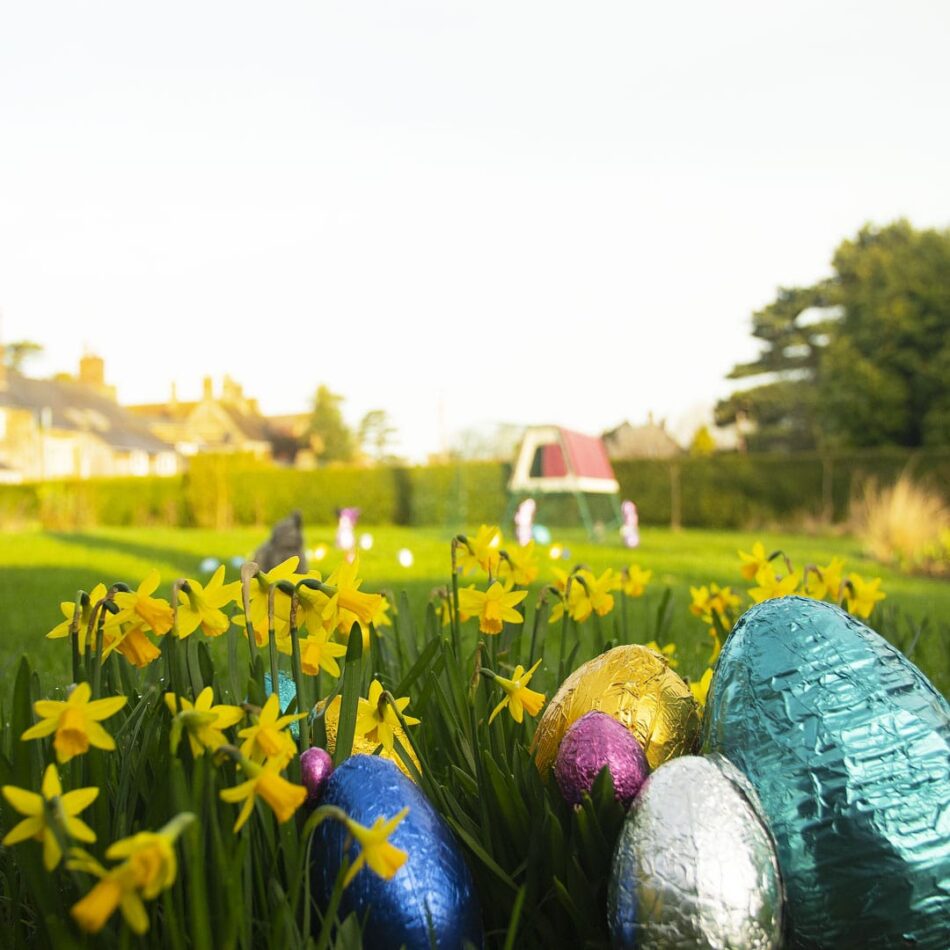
38,569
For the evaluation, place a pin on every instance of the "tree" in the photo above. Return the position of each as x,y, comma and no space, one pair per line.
702,444
859,359
17,353
331,438
375,434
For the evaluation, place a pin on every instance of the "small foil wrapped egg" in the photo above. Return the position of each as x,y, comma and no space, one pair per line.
848,747
363,745
316,767
594,741
431,900
695,865
634,685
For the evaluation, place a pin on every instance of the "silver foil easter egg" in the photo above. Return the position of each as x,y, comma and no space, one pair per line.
431,899
695,865
594,741
848,747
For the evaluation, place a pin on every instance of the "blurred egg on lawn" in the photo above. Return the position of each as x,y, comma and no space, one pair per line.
555,551
366,541
541,534
431,900
405,557
209,565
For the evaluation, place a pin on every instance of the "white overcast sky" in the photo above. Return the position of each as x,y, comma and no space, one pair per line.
479,212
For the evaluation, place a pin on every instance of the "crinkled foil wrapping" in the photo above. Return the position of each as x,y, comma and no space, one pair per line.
635,686
848,747
592,742
431,894
363,745
286,694
695,865
316,767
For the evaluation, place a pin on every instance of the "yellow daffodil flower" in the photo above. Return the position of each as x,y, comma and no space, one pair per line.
481,551
259,590
492,607
381,618
68,608
863,595
700,690
134,645
376,718
518,698
589,594
668,652
770,586
349,604
65,807
150,867
200,606
267,738
519,566
635,580
141,607
825,582
283,797
376,852
311,605
317,652
75,722
203,723
754,562
700,602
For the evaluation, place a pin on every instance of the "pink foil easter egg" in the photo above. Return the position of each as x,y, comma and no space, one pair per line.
316,765
592,742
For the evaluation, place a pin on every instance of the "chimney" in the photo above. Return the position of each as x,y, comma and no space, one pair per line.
208,389
3,367
92,372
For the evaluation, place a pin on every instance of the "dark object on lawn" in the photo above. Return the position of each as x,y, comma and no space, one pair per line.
286,540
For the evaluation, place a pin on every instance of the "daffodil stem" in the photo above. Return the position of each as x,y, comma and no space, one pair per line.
272,641
302,702
74,633
456,621
564,622
249,571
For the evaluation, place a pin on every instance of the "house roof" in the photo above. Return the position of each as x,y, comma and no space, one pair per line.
77,408
647,441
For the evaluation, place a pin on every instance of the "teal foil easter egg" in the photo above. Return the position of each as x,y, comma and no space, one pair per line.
848,746
431,899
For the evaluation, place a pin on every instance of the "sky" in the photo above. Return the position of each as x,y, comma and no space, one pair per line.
465,213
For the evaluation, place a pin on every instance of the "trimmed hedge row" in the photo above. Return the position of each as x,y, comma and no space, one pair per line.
724,491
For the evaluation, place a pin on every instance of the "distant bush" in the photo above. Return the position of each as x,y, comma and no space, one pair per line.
720,491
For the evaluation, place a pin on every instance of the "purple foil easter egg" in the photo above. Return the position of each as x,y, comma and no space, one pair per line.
592,742
315,768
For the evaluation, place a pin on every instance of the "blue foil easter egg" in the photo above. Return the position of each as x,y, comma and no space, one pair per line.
848,747
431,900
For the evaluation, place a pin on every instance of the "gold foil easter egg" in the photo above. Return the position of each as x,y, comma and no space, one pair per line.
635,686
364,745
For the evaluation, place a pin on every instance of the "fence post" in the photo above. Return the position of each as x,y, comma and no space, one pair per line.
676,508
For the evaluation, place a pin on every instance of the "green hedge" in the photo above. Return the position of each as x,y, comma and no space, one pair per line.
724,491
